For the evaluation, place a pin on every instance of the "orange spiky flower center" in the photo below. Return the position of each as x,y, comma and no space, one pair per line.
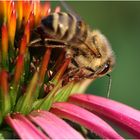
30,74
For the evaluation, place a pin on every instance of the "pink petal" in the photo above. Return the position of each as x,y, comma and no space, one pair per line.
24,128
54,126
85,118
119,112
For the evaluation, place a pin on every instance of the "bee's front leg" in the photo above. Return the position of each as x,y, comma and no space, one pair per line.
75,74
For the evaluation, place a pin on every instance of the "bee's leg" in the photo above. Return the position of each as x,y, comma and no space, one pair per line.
79,75
91,72
69,75
47,42
75,74
74,71
55,43
36,43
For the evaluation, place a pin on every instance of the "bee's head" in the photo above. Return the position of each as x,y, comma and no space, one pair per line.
104,59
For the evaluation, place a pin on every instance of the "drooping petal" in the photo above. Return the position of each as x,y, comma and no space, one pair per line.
119,112
85,118
54,126
23,127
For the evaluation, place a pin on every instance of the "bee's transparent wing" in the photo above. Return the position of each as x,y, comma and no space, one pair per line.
69,9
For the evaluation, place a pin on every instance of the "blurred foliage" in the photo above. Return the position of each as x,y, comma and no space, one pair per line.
120,22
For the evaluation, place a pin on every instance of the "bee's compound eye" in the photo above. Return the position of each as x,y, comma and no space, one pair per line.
105,69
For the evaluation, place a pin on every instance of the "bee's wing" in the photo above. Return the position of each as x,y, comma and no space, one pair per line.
70,10
53,43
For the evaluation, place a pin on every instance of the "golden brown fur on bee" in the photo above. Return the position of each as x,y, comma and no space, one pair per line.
92,61
90,51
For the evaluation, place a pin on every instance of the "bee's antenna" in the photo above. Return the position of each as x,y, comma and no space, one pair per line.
109,85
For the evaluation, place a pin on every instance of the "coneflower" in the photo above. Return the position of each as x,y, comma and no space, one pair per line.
35,102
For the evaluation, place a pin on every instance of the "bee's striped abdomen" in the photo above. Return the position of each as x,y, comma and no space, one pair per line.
64,26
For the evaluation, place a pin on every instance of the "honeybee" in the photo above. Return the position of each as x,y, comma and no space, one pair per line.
90,52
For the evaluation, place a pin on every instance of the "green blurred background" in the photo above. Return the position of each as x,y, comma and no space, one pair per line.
120,22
